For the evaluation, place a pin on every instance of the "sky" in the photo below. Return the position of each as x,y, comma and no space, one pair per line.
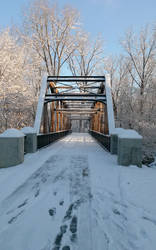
110,18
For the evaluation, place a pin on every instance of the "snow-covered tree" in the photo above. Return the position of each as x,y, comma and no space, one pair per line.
16,90
52,33
134,84
140,50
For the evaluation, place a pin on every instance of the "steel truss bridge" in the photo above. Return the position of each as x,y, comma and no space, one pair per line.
66,98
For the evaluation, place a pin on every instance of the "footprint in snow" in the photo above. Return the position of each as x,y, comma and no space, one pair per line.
66,248
54,193
37,193
61,203
73,237
149,219
115,211
63,229
68,214
13,219
52,211
73,225
23,204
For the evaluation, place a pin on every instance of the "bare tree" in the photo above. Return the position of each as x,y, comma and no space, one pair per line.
141,60
88,55
52,33
116,67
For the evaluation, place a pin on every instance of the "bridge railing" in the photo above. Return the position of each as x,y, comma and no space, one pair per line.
46,139
125,143
103,139
15,143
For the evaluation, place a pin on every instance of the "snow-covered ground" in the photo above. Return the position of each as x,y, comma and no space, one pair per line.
72,195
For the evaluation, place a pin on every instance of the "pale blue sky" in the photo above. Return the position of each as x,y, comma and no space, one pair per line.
111,18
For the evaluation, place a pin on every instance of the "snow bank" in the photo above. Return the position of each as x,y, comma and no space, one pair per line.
11,132
28,130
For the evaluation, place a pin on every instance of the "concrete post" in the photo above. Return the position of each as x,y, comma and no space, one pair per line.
30,144
11,148
114,140
130,148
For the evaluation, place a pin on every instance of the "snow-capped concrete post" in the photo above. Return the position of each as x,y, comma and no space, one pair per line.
114,140
11,148
129,148
30,142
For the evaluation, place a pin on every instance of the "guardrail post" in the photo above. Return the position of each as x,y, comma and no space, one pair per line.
129,148
114,140
12,148
30,144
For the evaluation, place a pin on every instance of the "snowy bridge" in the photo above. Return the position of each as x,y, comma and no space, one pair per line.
83,104
77,104
67,104
71,195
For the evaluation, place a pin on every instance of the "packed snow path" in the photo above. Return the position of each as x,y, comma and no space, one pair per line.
72,195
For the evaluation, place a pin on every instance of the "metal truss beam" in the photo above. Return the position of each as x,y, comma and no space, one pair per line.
76,87
75,97
75,94
80,118
77,109
91,99
76,78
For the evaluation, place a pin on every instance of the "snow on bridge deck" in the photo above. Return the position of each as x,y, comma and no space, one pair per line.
73,194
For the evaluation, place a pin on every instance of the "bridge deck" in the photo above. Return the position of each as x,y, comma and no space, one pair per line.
73,194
